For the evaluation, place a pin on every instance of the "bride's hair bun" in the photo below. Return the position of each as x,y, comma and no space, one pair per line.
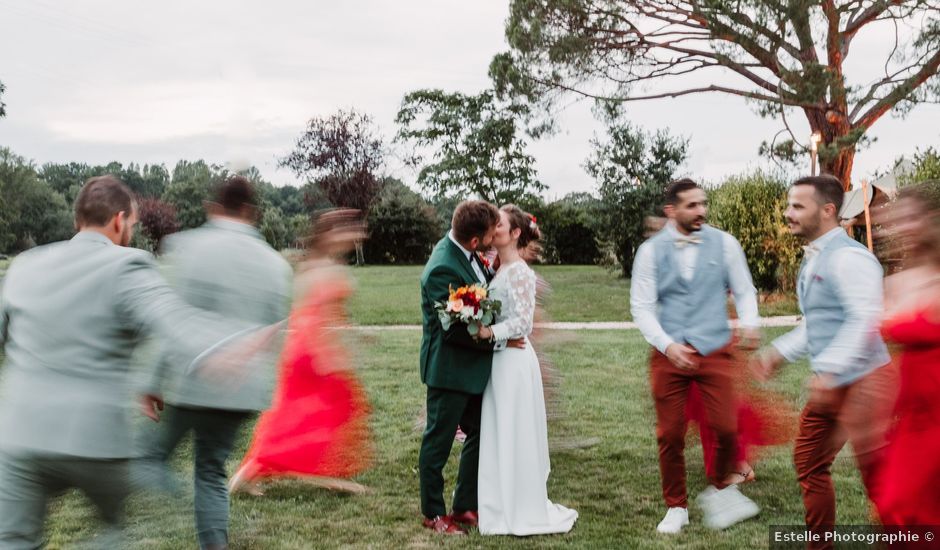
526,223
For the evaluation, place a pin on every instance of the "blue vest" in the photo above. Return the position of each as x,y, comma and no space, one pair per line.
694,312
820,304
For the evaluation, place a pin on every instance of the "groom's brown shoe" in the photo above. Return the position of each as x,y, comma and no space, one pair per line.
444,525
468,518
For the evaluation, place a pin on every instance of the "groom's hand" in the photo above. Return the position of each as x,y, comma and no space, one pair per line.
518,343
484,333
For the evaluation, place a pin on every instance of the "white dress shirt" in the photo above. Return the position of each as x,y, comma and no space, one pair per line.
644,293
858,280
476,265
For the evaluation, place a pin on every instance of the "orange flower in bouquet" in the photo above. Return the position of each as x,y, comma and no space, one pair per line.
470,305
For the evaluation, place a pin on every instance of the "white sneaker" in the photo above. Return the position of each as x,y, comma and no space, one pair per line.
726,507
675,520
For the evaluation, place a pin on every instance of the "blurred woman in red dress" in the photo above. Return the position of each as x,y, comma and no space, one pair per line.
317,428
763,420
911,470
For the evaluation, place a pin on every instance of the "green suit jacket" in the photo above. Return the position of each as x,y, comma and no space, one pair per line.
450,359
71,314
227,268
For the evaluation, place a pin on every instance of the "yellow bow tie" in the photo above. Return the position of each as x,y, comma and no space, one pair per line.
683,240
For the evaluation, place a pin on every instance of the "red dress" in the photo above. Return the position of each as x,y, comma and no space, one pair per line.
318,421
762,421
911,470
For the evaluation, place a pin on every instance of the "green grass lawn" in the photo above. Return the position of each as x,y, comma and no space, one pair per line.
614,485
390,295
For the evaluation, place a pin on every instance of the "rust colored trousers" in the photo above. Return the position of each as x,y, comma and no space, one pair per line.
715,377
859,413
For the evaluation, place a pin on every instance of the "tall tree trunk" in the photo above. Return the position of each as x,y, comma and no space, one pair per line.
834,128
840,166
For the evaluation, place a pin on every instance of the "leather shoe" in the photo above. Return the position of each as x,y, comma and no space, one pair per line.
443,525
468,518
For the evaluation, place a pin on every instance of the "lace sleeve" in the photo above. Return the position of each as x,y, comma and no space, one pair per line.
520,311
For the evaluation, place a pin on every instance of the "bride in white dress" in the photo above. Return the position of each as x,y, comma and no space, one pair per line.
514,462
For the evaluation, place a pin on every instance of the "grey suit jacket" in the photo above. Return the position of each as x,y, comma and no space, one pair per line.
72,314
227,268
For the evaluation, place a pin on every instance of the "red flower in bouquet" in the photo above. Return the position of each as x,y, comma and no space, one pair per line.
469,305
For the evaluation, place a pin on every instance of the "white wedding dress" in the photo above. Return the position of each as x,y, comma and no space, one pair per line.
514,462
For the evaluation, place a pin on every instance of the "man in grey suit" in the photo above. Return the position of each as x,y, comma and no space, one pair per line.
225,267
71,314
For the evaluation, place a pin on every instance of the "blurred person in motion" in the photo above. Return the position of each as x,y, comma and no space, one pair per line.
678,297
71,315
911,470
225,267
852,389
761,420
317,429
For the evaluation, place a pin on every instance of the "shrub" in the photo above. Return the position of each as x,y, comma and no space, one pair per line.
570,233
402,227
624,214
275,229
751,207
157,220
31,211
299,227
926,167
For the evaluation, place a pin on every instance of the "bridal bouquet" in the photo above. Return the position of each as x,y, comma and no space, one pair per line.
469,305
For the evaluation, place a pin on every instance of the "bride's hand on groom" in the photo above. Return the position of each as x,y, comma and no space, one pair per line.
518,343
486,333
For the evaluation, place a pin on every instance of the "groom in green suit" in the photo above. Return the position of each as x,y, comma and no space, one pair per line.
455,367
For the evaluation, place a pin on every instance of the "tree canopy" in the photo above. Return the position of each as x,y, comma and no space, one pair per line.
783,55
477,142
632,167
342,155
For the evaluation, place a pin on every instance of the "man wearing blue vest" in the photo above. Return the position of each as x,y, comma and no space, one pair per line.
852,389
678,297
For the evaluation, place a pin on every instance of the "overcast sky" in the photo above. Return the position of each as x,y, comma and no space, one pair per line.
155,82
